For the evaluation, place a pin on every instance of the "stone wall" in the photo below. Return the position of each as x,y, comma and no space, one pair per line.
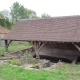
60,53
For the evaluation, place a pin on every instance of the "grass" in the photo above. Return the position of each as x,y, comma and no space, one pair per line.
9,72
14,46
64,72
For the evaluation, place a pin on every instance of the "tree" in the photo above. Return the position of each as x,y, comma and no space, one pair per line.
19,12
15,8
1,15
5,22
6,14
44,15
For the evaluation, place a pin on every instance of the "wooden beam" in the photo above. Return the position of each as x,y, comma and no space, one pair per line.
9,43
76,46
6,43
39,48
42,46
36,50
75,60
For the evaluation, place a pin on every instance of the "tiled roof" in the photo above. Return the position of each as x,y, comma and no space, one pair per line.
3,30
64,29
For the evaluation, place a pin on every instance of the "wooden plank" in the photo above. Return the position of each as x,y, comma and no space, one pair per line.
75,60
76,46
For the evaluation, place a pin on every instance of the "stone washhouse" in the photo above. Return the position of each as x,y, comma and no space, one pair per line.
56,36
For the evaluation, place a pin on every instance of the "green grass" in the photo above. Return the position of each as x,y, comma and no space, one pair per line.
2,50
65,72
14,46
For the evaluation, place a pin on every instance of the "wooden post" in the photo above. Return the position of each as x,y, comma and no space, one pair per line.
6,47
75,60
37,48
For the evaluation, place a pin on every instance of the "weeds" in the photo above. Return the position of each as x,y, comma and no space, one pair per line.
26,57
14,62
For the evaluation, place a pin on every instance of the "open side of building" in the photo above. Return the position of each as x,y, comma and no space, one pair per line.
59,37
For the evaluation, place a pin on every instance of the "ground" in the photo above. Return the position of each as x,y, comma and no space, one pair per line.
58,71
63,72
12,69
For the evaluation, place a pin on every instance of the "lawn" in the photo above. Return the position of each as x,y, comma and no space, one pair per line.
64,72
14,46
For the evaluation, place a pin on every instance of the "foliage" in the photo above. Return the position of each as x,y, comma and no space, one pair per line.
6,14
65,72
14,62
19,12
27,44
26,57
44,15
5,22
1,15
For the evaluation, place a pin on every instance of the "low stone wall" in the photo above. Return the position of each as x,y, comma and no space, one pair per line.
21,52
68,54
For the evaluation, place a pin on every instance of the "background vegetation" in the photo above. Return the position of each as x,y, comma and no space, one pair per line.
14,46
17,11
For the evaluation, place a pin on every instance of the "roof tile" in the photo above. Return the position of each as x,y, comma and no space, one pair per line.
65,29
3,30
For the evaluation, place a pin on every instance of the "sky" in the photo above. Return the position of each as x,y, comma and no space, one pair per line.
51,7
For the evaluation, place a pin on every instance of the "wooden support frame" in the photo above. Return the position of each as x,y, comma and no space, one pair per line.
76,46
75,60
38,47
7,45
